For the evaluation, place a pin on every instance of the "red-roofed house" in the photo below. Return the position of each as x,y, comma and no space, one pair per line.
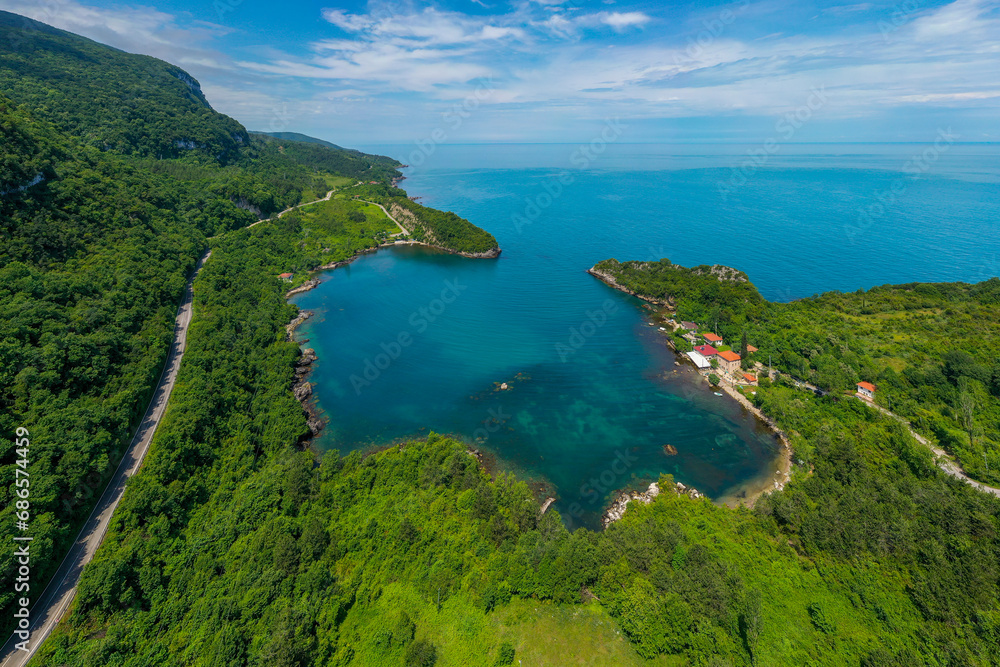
750,379
729,361
286,276
690,326
866,390
702,356
712,338
751,349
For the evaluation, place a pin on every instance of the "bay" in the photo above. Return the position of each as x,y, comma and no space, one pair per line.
592,394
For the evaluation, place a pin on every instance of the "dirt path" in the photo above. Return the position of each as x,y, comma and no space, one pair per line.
292,208
944,461
57,596
398,224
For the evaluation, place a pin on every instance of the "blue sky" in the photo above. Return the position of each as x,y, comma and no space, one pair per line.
555,70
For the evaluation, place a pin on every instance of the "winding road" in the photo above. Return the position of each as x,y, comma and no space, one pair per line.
398,223
945,462
54,601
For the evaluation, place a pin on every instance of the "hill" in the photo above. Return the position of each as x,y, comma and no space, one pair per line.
110,99
102,217
297,136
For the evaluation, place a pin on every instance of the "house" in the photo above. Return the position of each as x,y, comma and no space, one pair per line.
751,349
866,390
690,326
702,356
287,277
706,351
749,379
729,361
701,362
712,339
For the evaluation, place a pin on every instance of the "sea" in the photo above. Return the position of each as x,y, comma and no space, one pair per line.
413,341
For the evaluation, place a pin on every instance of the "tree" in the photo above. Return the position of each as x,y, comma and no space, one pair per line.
751,623
713,379
421,653
743,345
967,410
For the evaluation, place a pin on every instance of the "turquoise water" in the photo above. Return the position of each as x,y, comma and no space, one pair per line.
411,340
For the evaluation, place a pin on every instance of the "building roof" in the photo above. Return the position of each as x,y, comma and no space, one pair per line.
749,378
286,275
712,338
699,361
866,385
689,325
729,355
751,348
705,350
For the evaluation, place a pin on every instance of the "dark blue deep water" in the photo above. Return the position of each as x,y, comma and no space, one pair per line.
590,382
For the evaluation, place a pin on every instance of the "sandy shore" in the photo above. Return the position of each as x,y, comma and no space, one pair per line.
748,492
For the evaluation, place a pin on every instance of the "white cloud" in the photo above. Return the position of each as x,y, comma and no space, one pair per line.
621,20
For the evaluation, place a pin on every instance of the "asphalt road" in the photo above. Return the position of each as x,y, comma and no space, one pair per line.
54,601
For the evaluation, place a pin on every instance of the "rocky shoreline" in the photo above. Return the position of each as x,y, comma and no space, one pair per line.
609,280
302,390
299,319
617,509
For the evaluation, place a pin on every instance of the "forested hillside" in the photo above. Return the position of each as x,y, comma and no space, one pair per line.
110,99
933,350
99,230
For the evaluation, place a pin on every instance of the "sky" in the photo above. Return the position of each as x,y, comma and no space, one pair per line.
471,71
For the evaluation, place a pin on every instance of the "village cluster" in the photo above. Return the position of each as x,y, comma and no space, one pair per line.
712,356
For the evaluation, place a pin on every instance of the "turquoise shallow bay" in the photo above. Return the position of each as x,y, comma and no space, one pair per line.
568,417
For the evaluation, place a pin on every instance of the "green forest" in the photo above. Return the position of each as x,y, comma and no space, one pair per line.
933,350
99,231
237,545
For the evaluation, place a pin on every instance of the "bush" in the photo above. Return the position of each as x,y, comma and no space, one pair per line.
421,653
505,656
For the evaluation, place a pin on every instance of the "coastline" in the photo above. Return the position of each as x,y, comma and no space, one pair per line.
749,491
301,386
610,281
